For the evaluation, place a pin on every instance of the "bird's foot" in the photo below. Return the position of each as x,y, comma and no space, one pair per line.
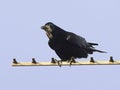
59,62
72,60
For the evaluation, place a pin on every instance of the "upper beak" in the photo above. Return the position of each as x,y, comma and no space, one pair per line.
42,27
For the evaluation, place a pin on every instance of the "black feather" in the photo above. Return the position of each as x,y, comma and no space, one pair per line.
67,44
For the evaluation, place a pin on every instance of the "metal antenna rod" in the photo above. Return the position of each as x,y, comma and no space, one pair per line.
53,62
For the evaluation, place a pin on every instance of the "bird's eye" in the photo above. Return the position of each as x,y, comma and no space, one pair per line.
51,26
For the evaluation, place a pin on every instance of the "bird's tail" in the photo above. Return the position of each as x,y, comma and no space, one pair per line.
95,50
92,43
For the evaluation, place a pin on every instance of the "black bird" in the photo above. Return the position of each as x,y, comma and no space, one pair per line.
68,45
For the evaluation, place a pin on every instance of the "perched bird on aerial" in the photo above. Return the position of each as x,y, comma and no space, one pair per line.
66,44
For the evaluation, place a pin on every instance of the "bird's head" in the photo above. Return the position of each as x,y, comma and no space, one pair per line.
48,27
53,31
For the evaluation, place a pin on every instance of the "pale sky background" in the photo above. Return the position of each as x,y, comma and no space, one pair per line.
21,38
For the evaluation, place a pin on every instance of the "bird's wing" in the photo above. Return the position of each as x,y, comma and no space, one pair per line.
76,40
80,42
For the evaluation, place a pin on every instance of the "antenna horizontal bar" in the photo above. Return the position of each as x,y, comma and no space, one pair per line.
80,63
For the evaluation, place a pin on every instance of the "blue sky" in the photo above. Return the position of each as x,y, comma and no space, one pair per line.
21,38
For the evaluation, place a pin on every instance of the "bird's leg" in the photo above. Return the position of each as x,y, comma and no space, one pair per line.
59,63
72,60
56,61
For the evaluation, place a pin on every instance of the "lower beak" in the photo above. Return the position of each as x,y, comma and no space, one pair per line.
42,27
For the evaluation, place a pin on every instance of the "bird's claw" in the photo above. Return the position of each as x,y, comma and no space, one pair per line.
72,60
59,62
